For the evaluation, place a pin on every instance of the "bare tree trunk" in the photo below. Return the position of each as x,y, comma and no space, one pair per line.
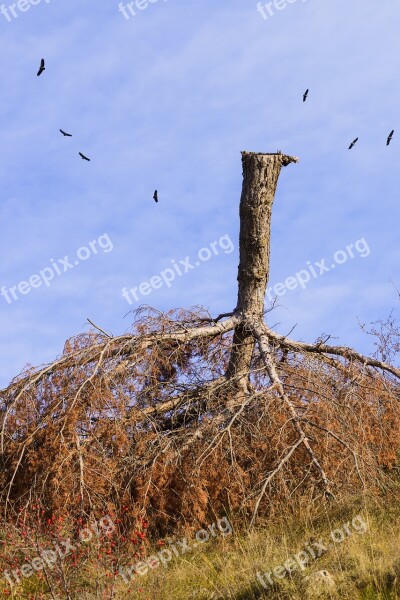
260,178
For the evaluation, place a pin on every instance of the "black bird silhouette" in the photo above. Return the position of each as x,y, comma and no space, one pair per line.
41,68
67,134
353,142
305,95
155,196
389,137
83,156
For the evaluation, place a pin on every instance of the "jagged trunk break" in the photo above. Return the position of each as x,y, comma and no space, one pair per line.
260,178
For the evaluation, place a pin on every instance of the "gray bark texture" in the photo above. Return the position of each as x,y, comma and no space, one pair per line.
260,178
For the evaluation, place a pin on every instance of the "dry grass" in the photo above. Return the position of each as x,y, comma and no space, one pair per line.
364,566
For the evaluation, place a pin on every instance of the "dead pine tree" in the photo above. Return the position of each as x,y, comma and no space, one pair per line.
188,415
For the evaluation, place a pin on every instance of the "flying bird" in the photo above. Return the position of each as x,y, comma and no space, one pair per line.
353,142
65,133
41,68
83,156
305,95
155,196
389,137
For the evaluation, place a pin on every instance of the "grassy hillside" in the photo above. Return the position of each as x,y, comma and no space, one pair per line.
346,550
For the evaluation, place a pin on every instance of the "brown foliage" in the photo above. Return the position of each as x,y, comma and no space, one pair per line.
142,420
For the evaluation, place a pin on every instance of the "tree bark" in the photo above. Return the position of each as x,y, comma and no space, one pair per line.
260,178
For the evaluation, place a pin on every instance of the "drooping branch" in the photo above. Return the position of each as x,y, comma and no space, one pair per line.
124,345
268,359
342,351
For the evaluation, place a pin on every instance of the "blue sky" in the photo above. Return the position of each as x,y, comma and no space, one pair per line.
167,99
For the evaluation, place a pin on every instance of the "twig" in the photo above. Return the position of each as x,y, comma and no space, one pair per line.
100,329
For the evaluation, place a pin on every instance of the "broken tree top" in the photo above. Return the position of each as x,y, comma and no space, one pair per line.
285,158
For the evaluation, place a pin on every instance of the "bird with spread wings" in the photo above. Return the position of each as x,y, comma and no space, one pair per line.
41,68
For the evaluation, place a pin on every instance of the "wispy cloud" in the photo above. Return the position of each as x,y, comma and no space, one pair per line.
167,101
